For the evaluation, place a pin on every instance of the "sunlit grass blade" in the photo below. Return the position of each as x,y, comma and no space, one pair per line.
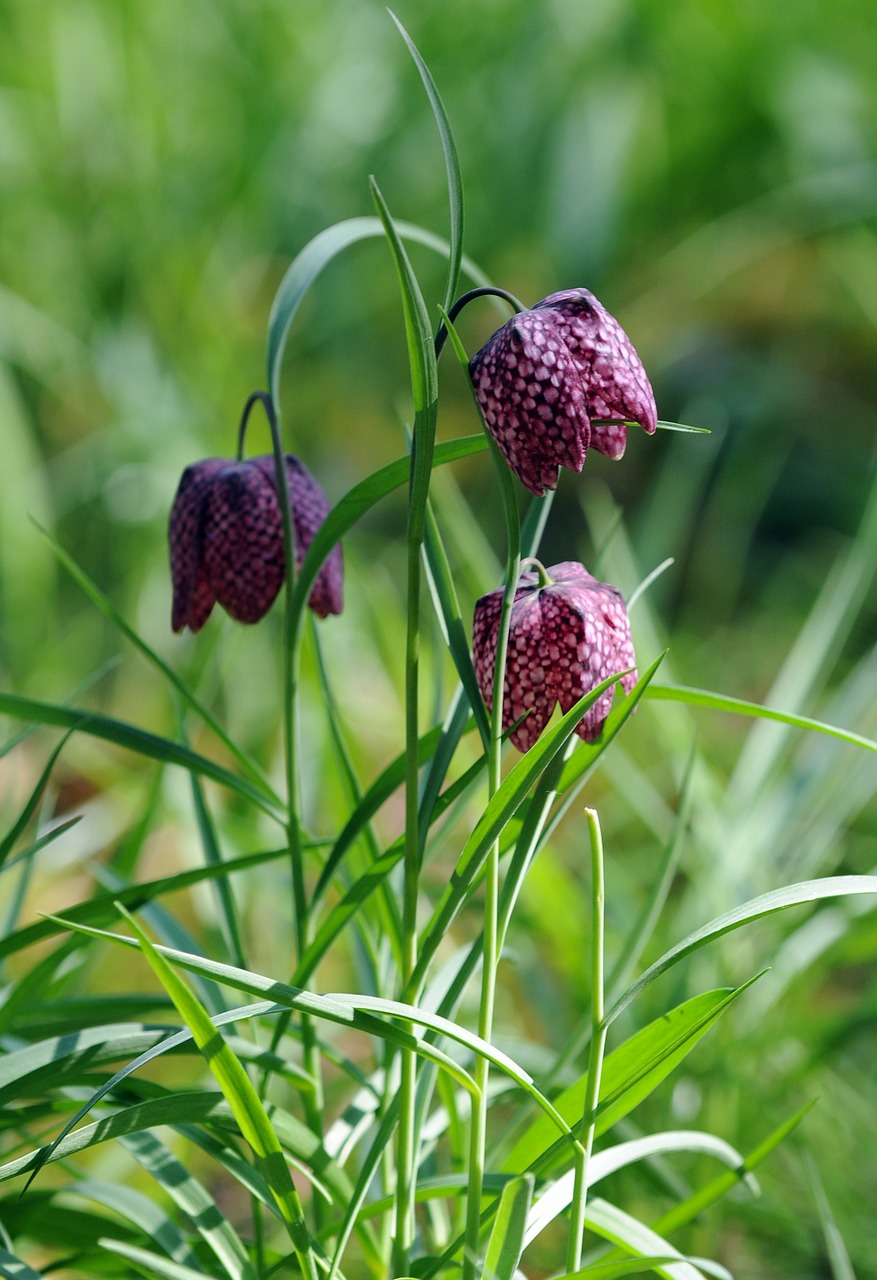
643,927
689,1209
389,780
9,841
242,1098
178,1108
193,1199
630,1073
791,895
331,1009
612,1223
453,1031
133,739
838,1256
507,1238
558,1196
447,607
226,908
452,165
370,1163
630,1267
738,706
143,1213
152,1263
101,908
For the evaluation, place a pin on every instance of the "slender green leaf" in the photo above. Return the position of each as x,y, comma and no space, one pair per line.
452,166
558,1197
686,1212
361,498
506,1242
630,1267
102,907
152,1263
193,1199
630,1073
621,1228
133,739
141,1212
738,706
791,895
9,841
327,1007
241,1097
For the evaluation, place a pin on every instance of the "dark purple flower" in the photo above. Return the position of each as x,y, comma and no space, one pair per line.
545,377
226,540
564,640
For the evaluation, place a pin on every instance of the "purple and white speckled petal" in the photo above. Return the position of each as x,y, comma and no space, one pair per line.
193,599
243,541
564,640
532,400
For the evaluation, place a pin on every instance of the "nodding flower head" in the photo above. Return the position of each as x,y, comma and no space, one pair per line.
555,380
226,540
565,638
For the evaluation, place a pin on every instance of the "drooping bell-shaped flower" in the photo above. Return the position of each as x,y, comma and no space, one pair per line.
557,379
226,540
564,639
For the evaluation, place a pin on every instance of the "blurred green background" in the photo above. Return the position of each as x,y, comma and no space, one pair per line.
708,169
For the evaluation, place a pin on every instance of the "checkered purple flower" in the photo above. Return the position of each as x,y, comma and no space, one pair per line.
564,640
555,380
226,540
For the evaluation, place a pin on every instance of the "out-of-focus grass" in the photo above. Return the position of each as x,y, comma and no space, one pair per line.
710,172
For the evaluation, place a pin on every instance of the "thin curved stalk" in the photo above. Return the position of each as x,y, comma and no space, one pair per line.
599,1029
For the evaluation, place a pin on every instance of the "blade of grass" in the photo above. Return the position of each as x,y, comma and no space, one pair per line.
766,904
133,739
452,165
738,706
241,1097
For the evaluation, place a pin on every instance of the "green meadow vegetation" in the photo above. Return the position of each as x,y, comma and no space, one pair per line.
305,970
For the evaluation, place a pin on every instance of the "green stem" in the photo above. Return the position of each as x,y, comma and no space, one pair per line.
313,1100
405,1188
478,1137
598,1045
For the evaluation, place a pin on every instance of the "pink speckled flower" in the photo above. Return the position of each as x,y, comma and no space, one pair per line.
226,540
564,640
556,379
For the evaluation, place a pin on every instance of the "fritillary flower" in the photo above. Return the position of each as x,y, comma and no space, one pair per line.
565,638
557,379
226,540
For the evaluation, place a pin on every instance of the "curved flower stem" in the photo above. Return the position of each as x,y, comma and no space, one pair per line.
313,1099
598,1045
483,291
492,944
536,566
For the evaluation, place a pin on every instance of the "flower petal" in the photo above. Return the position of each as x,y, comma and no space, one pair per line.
193,598
243,541
614,380
532,399
310,507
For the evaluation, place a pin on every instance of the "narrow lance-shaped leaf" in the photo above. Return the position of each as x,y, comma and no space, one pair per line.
241,1096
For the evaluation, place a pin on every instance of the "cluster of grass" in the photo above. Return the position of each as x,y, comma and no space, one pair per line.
704,811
